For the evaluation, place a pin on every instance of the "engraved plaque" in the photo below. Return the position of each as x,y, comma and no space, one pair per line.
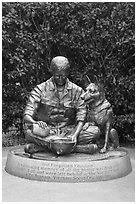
75,167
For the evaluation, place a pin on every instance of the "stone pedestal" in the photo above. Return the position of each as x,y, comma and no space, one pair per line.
75,167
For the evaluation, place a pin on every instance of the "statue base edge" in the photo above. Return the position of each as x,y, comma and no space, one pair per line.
73,168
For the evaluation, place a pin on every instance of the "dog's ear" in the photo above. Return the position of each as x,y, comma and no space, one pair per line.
96,81
87,81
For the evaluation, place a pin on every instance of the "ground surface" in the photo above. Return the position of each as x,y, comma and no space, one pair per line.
16,189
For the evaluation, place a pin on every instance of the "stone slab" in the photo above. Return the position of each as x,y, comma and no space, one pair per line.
75,167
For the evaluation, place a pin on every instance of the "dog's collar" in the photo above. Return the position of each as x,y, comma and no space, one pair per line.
103,103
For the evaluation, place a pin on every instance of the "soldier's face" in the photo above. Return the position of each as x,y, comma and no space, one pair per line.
60,77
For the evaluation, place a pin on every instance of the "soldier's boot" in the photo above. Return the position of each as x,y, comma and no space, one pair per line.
86,148
33,148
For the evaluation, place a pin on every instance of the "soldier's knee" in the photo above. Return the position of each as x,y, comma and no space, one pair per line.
94,130
97,133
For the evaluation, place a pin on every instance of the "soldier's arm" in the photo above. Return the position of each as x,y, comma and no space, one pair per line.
81,113
78,130
32,105
29,119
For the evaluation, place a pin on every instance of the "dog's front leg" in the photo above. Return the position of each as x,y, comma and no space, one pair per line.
107,132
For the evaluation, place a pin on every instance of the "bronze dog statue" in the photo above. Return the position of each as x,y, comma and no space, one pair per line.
100,113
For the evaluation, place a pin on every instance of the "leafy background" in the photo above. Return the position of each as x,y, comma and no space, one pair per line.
97,38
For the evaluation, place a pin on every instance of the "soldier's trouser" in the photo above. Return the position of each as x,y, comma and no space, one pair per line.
89,135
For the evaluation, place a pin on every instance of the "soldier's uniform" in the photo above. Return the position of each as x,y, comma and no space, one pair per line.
45,104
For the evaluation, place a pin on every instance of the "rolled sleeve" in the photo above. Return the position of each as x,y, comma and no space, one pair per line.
33,101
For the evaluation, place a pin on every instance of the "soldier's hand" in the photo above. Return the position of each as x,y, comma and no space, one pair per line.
42,124
86,126
73,138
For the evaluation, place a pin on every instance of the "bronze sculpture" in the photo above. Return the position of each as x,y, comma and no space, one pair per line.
100,113
55,108
60,123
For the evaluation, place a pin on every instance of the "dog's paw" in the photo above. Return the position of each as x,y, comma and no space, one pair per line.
103,150
111,148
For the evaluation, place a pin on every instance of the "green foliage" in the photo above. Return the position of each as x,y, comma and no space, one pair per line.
98,39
